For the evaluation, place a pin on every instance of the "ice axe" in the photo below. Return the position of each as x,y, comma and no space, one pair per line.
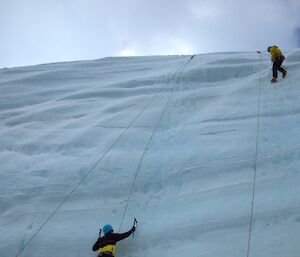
135,225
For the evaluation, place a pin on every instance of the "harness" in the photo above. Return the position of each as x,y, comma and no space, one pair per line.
103,254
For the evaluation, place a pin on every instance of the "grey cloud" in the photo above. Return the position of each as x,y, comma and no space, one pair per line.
62,30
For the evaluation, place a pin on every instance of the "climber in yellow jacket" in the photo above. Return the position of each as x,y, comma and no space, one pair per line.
277,58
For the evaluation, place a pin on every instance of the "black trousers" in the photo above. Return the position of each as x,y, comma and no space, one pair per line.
277,66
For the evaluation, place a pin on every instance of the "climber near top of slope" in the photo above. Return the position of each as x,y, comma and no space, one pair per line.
277,58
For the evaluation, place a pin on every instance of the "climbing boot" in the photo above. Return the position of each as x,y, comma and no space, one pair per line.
284,74
273,80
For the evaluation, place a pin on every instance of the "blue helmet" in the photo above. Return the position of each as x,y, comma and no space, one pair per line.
107,228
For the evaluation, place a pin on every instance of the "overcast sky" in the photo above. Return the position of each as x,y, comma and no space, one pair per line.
42,31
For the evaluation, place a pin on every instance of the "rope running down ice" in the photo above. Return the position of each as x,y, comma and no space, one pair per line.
256,154
151,137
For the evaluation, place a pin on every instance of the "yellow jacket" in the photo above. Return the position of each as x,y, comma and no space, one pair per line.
276,53
108,249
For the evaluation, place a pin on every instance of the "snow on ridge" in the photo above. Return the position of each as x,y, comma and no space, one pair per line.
192,189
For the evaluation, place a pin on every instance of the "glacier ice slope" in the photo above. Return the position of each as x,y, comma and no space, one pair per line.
172,141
